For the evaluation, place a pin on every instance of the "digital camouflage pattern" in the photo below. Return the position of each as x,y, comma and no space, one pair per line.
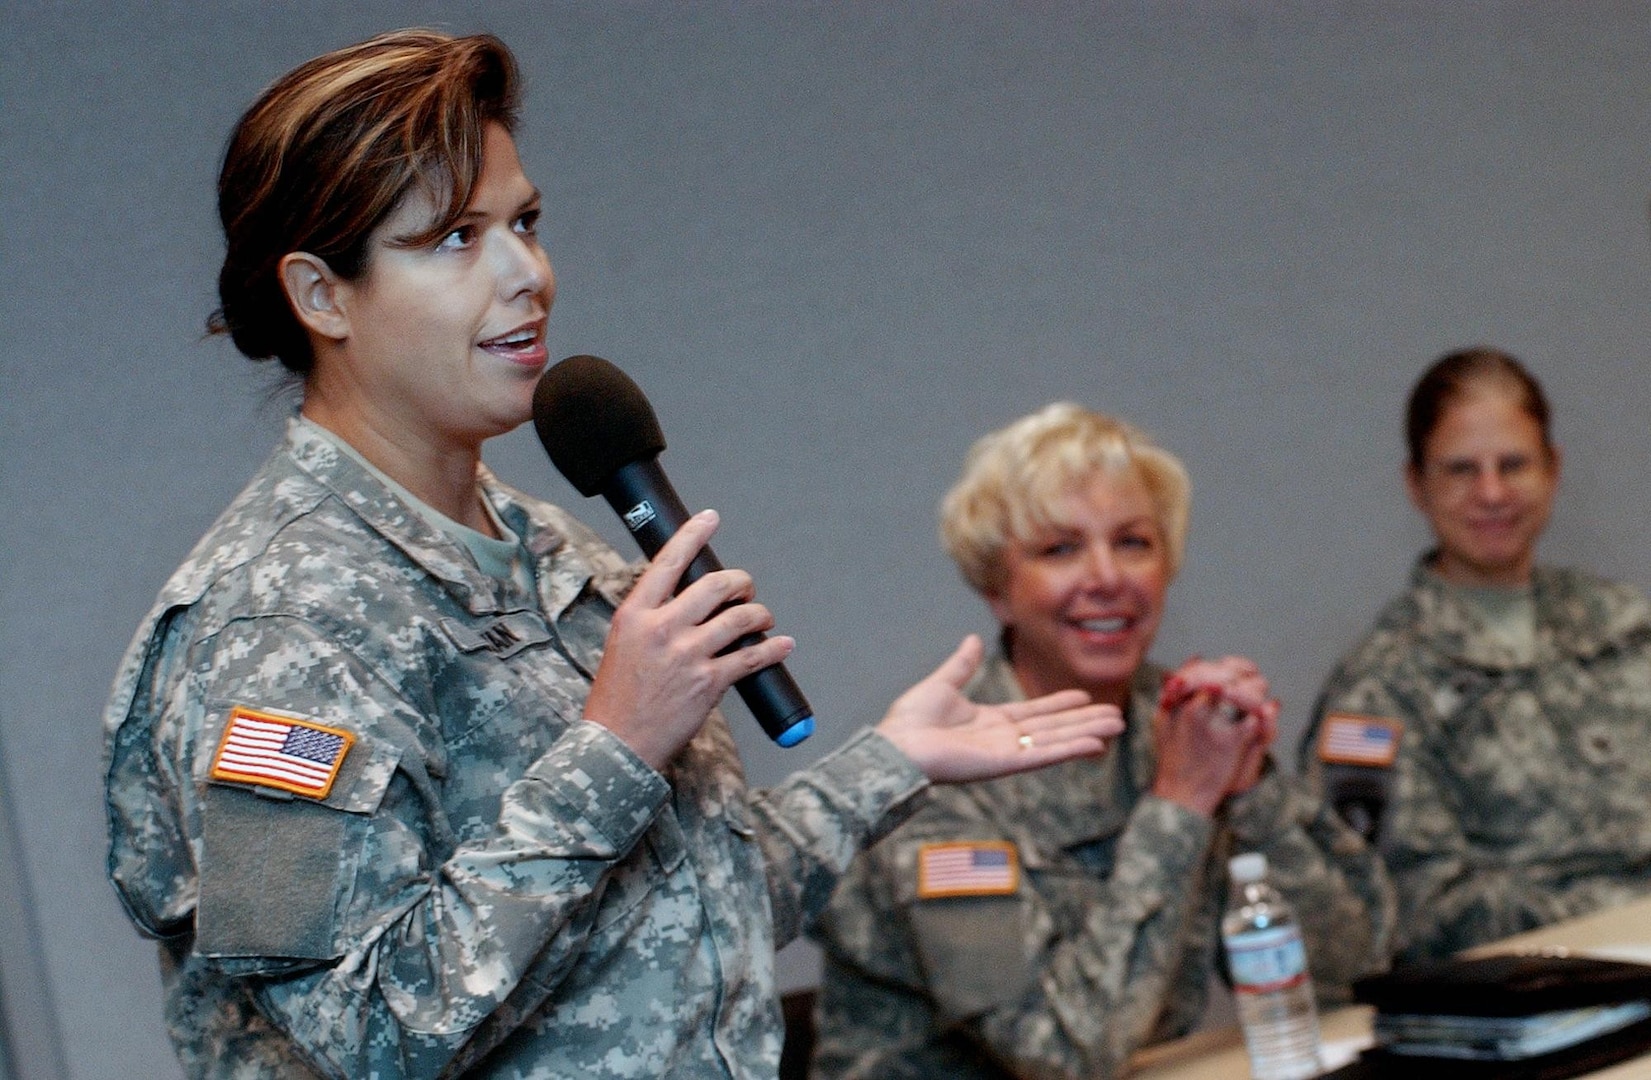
493,887
1109,942
1521,793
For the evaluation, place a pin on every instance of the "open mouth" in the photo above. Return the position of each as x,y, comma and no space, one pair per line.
1112,624
523,345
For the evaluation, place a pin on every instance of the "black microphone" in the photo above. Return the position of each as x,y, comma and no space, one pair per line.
601,433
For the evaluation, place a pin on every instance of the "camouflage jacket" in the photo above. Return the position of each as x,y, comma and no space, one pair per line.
1521,791
1110,936
488,885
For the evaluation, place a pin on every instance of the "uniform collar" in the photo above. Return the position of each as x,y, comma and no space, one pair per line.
438,554
1576,616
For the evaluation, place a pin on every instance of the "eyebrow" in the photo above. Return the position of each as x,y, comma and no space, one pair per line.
534,196
470,213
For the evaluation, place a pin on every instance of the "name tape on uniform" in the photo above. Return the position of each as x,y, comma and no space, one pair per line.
282,752
1351,739
967,868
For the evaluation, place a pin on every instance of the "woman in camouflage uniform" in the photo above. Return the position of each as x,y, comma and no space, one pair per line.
1047,926
401,778
1490,729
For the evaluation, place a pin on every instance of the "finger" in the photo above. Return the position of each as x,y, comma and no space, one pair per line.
1059,701
1049,751
1252,692
1252,732
1104,728
1198,706
957,668
716,590
1268,732
736,665
729,625
1084,716
659,581
1250,765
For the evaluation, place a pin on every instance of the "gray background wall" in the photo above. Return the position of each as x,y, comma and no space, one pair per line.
835,243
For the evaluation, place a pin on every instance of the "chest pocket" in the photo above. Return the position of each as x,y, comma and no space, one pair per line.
1507,757
275,868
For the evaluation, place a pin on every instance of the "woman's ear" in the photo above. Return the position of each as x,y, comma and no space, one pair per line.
315,294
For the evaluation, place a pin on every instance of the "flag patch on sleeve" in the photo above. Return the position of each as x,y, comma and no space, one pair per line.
280,752
967,868
1350,739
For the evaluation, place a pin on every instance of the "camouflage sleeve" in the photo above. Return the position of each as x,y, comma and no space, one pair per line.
365,930
994,968
813,825
1333,879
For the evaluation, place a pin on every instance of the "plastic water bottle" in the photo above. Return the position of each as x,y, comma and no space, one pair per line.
1271,983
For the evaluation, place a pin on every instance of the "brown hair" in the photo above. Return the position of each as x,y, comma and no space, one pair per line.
1456,374
329,151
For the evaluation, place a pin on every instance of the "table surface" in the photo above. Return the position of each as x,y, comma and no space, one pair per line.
1624,932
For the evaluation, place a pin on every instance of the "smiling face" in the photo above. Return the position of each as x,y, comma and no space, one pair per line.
1486,484
441,345
1082,599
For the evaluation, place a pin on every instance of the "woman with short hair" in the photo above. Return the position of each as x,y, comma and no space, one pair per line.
1049,925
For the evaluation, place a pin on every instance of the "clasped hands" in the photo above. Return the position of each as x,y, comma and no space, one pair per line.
1216,722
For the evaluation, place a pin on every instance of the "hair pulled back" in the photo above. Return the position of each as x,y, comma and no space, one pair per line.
329,151
1459,374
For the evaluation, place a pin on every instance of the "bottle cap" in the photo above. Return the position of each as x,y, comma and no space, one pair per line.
1248,867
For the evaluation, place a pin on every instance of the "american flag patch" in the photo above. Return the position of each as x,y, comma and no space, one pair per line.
1350,739
280,752
973,868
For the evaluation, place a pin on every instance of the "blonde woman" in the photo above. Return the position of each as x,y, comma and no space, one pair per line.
1051,924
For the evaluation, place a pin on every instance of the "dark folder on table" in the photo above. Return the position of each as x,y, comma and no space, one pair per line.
1535,1017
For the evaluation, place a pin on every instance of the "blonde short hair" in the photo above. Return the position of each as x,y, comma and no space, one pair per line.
1015,479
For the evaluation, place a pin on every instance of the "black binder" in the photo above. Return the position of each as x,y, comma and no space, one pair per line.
1508,986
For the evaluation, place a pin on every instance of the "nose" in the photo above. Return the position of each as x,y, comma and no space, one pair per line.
1489,485
1100,568
524,268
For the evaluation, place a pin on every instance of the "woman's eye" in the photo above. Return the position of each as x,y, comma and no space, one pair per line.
528,223
1055,549
459,238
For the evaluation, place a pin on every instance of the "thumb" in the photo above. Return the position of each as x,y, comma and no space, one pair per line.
956,669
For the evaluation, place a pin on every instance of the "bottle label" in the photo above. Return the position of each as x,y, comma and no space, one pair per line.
1262,961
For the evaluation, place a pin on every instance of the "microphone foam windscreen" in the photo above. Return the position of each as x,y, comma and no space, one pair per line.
593,421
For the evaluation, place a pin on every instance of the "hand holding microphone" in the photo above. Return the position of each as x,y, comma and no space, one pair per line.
601,433
668,659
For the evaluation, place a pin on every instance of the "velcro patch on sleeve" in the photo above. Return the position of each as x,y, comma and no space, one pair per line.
1351,739
283,752
967,868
